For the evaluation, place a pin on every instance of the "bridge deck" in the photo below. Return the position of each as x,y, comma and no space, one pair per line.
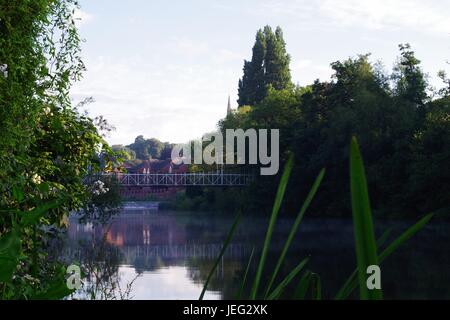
182,179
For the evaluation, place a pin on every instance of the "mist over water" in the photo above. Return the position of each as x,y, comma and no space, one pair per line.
145,254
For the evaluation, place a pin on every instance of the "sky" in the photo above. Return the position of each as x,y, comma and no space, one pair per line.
164,69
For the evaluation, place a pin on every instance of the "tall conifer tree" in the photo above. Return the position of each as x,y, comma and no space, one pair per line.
269,67
277,73
252,86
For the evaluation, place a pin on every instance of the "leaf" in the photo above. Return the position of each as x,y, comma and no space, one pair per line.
366,249
384,237
303,285
10,250
279,289
405,237
43,188
352,281
294,228
32,217
244,280
273,218
18,194
57,290
316,287
221,254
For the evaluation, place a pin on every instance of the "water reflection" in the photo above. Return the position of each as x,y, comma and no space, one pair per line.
146,254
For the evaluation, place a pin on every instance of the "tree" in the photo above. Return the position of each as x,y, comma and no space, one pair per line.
410,83
445,91
155,147
140,148
276,62
125,151
403,155
166,152
429,172
47,148
402,131
252,85
146,149
269,67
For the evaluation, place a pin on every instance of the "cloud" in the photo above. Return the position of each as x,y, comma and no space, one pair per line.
429,16
300,64
415,15
175,87
190,47
173,101
224,56
307,71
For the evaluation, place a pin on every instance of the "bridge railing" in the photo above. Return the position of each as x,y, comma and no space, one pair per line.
182,179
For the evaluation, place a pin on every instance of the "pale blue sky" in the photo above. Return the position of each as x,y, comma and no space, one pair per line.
164,69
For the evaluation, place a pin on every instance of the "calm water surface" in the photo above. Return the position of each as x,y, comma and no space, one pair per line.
148,254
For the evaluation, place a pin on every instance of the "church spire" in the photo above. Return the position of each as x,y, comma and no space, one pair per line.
229,105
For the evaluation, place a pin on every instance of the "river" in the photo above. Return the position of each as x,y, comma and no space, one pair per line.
146,254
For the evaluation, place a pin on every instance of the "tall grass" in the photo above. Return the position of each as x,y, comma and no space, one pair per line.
221,254
365,244
273,219
310,283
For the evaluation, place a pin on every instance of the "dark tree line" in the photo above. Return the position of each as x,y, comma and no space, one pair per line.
403,127
146,149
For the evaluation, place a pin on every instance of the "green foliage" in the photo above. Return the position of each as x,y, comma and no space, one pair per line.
252,86
57,288
276,61
273,218
366,247
294,229
13,255
352,282
402,130
269,67
410,81
9,254
126,152
105,201
221,254
46,146
145,149
430,157
279,289
311,284
445,91
276,294
244,279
